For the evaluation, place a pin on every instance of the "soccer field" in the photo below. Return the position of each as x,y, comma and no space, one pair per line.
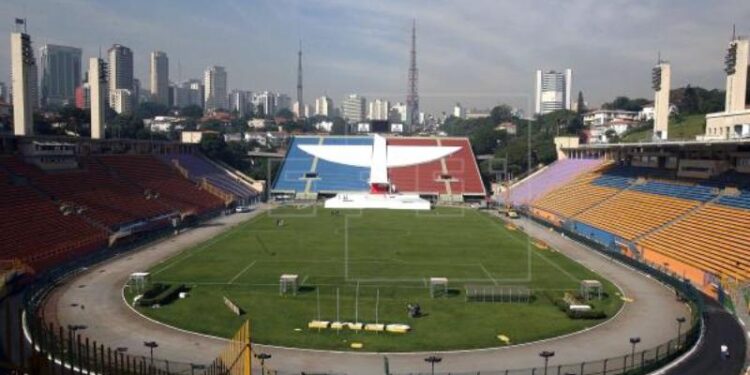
374,260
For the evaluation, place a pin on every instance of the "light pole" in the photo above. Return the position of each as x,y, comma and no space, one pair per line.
633,341
547,354
432,360
680,320
263,357
151,345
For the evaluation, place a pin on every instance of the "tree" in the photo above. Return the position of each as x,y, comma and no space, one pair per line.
339,126
690,102
285,113
612,136
501,113
192,111
151,110
626,104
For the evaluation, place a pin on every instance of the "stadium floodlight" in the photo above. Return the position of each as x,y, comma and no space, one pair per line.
262,357
730,60
194,367
432,360
680,320
547,354
151,345
633,341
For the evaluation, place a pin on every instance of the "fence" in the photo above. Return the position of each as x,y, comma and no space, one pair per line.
65,350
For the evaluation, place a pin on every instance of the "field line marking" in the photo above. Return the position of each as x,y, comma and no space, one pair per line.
488,273
303,280
566,273
188,253
243,271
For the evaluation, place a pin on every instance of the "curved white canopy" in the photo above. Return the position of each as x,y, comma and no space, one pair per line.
361,156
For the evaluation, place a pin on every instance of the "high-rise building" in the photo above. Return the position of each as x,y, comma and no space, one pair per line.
61,74
121,101
120,68
553,90
83,95
215,83
378,109
324,106
265,103
241,102
459,111
23,81
303,112
97,82
282,101
353,107
398,113
159,64
3,92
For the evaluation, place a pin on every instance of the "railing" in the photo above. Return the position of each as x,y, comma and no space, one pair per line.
65,350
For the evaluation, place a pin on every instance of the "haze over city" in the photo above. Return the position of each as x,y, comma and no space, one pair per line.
478,54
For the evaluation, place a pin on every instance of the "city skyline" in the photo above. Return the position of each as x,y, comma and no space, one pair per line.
477,58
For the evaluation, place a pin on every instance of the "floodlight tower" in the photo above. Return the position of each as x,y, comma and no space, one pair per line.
661,77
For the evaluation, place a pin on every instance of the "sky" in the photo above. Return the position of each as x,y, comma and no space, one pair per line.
479,53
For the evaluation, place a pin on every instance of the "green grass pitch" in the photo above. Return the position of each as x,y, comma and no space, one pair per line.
390,253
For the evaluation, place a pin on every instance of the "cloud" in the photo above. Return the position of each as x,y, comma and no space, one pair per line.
478,53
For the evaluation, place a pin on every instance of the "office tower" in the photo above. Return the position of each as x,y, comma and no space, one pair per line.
265,103
120,68
159,77
61,74
661,77
459,111
241,102
553,91
398,113
301,112
121,101
412,96
215,83
378,109
97,82
83,95
324,106
282,101
353,107
23,81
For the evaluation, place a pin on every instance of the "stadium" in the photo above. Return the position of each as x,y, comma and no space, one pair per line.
379,253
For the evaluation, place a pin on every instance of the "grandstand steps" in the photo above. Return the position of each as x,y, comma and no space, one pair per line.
126,181
257,185
677,219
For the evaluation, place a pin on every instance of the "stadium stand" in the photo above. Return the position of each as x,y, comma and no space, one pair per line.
632,213
291,176
332,177
454,175
199,168
696,228
553,176
34,229
102,197
714,238
150,173
575,197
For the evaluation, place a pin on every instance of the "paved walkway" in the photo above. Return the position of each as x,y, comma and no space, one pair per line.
651,316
